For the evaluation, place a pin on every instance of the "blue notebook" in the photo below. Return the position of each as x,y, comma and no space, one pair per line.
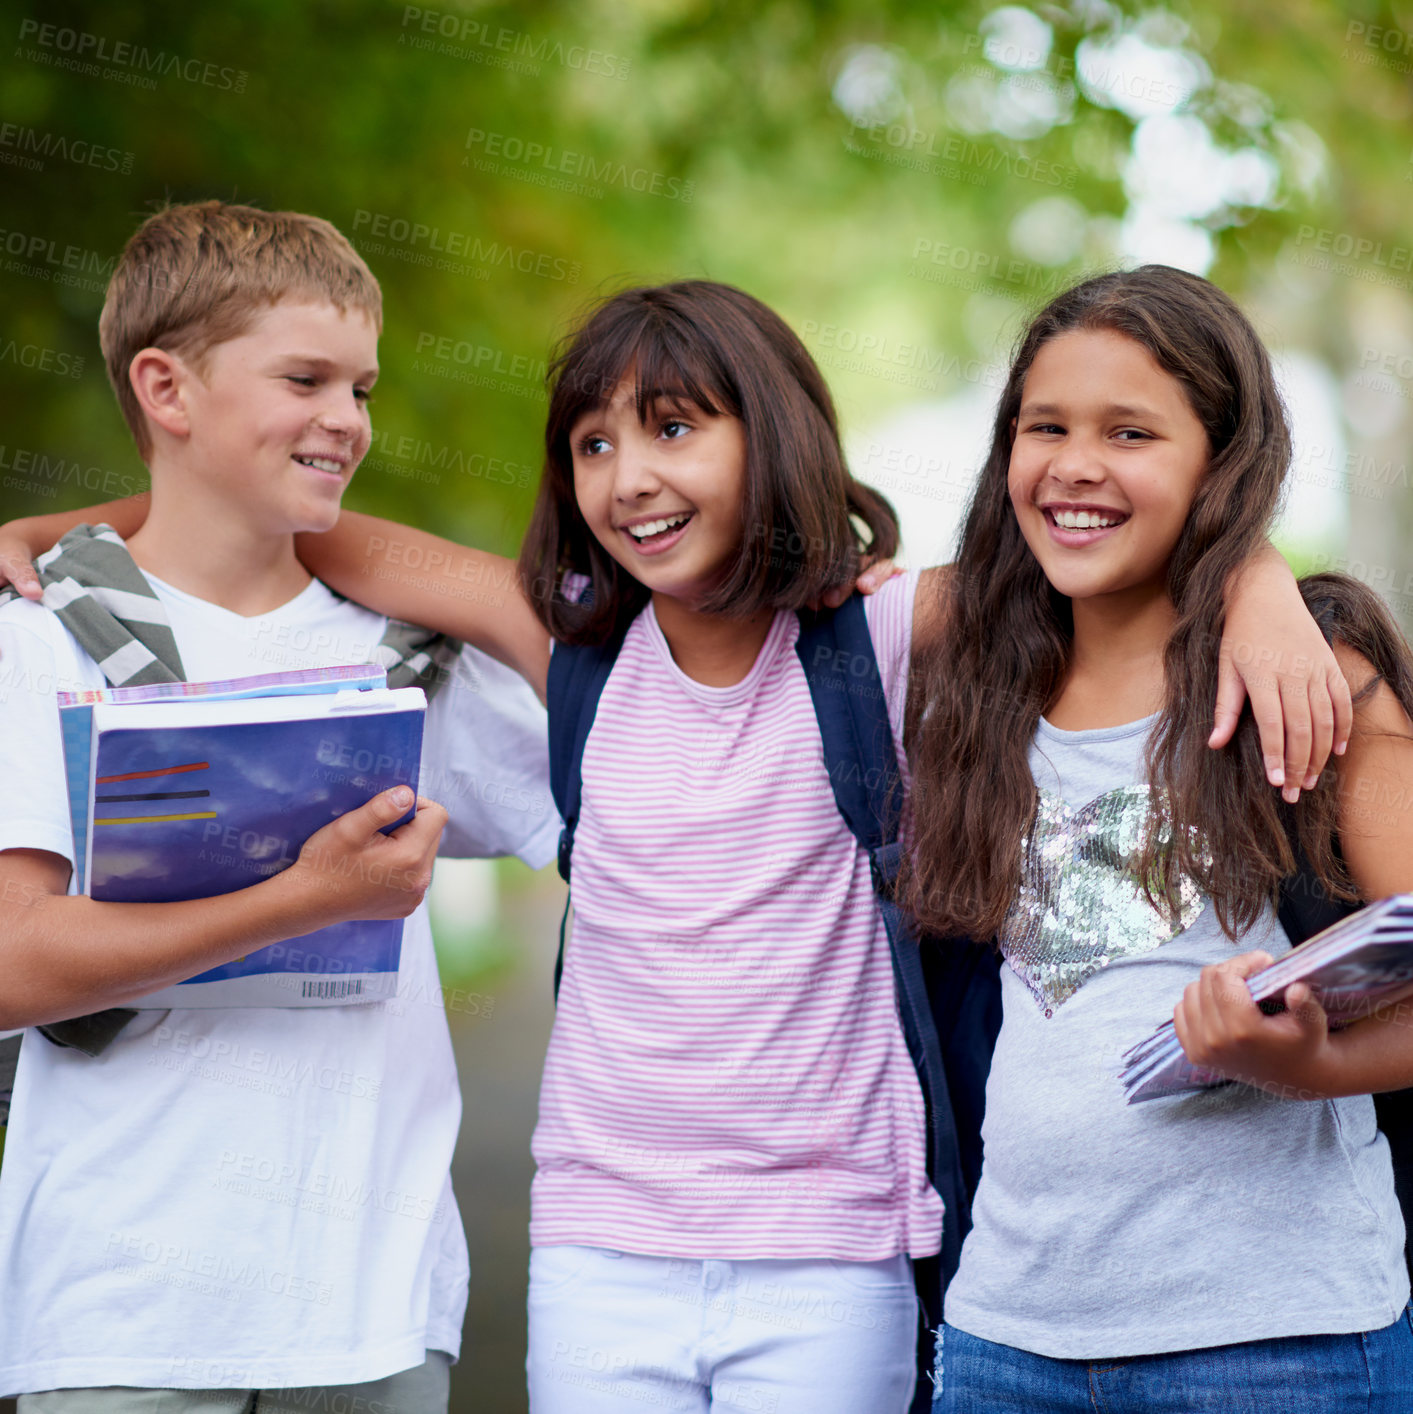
192,790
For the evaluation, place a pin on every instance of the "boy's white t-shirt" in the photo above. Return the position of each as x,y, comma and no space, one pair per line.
252,1198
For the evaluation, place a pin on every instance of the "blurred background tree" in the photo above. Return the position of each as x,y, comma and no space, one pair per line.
903,181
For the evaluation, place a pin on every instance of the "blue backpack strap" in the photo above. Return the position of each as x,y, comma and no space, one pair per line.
836,651
577,674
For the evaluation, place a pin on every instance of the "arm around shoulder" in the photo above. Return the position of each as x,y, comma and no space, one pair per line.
22,541
410,574
1274,652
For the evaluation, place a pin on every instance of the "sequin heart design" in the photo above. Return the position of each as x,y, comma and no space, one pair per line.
1081,903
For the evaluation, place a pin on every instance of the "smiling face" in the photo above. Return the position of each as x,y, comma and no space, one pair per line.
1106,459
278,416
663,497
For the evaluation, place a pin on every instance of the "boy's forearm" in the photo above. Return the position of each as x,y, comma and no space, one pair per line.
65,955
410,574
39,533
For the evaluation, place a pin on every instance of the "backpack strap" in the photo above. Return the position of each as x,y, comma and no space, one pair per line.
1305,906
93,586
577,674
416,657
836,651
9,1062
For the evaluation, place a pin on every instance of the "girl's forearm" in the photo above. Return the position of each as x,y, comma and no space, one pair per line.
1371,1056
1265,563
410,574
38,533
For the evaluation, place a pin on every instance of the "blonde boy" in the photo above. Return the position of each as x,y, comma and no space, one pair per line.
244,1209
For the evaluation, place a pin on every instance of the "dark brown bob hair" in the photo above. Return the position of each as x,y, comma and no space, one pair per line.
716,348
1000,660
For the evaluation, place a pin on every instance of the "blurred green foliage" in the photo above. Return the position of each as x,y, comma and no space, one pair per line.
713,145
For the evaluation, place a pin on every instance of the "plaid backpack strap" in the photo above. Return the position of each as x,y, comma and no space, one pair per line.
91,1034
93,586
9,1060
415,656
95,589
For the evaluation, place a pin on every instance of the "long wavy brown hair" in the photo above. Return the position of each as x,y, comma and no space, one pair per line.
805,520
1002,652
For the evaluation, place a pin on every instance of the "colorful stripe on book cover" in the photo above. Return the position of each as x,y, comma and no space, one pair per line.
76,720
192,812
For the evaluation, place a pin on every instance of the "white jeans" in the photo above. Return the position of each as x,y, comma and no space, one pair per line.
613,1331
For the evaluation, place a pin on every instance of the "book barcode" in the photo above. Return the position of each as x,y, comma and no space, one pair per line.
333,989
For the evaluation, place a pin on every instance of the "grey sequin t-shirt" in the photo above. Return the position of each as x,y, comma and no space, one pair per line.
1104,1229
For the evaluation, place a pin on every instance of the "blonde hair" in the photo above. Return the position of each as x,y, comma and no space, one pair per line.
194,276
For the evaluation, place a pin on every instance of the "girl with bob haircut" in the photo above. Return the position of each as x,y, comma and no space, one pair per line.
731,1174
716,350
1213,1250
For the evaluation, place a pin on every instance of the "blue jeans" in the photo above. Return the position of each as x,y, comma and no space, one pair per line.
1316,1374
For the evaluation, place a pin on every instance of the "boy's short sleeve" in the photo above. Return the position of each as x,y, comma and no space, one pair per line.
486,759
34,811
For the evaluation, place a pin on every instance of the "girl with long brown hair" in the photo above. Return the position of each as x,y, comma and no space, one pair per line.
1066,803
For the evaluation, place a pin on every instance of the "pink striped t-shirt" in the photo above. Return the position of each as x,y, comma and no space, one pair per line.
727,1075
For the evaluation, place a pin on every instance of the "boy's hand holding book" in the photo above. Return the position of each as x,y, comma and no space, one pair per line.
345,871
1224,1029
228,848
351,870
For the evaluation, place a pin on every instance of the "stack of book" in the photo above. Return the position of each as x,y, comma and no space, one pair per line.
1359,964
188,790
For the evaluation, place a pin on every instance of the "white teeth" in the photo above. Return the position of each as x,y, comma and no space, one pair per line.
655,527
1083,520
321,463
